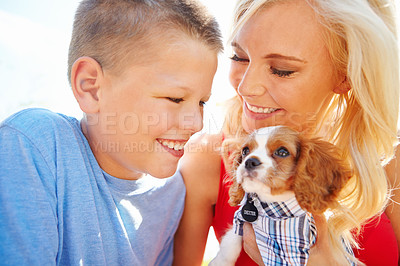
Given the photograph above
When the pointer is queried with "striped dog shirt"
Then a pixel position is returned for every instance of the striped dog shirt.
(284, 232)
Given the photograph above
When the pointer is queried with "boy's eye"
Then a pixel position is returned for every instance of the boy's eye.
(281, 152)
(238, 59)
(281, 73)
(175, 100)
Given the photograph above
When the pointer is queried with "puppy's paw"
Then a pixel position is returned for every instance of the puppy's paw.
(229, 250)
(221, 261)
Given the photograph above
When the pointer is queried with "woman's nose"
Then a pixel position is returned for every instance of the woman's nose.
(251, 82)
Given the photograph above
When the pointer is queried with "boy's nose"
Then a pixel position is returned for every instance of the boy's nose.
(251, 83)
(192, 121)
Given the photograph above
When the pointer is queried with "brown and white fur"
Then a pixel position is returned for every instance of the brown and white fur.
(282, 163)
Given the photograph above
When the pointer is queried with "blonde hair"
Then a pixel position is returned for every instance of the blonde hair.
(109, 30)
(362, 42)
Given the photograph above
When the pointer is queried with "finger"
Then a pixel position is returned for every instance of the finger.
(321, 253)
(250, 244)
(322, 229)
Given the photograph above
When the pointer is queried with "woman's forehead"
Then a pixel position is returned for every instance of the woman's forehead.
(285, 27)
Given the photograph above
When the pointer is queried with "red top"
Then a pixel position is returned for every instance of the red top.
(378, 242)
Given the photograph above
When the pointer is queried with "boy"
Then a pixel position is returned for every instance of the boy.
(95, 192)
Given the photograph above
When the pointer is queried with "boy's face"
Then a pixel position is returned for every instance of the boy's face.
(148, 112)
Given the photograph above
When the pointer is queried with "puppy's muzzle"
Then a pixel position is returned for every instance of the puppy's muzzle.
(251, 163)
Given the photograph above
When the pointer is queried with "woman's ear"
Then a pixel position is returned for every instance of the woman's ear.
(343, 87)
(86, 78)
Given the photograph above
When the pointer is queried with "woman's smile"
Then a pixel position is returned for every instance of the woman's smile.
(258, 112)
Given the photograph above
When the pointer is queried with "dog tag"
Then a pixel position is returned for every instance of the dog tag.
(249, 211)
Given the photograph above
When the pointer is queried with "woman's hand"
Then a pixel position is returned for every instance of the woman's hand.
(320, 253)
(250, 245)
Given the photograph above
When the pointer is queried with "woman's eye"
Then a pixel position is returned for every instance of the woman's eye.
(202, 103)
(281, 73)
(238, 59)
(245, 151)
(281, 152)
(175, 100)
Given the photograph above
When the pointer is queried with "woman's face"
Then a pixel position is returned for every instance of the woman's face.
(281, 68)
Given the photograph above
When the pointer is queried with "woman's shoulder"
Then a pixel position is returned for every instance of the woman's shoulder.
(202, 150)
(201, 165)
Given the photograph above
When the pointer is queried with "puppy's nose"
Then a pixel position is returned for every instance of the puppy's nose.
(251, 163)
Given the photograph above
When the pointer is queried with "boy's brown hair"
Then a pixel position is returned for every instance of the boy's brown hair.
(110, 30)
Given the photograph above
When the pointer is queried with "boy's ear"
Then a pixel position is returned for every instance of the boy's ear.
(86, 77)
(343, 87)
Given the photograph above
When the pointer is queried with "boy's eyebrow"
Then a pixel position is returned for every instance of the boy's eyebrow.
(185, 89)
(273, 55)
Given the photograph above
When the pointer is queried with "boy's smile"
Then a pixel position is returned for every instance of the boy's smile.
(175, 147)
(153, 106)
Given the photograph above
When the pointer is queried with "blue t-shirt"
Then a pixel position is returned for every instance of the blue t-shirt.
(57, 206)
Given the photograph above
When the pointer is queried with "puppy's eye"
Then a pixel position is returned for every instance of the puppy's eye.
(282, 152)
(245, 151)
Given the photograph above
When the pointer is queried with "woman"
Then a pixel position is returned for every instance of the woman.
(328, 69)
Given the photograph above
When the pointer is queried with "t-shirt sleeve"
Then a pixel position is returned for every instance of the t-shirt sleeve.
(28, 204)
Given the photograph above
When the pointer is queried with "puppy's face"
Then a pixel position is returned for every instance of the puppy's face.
(268, 163)
(277, 163)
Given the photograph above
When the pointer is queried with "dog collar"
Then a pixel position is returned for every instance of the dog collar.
(249, 210)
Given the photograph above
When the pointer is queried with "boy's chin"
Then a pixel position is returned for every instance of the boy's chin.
(164, 173)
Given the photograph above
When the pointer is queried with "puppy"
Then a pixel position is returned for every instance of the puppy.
(279, 179)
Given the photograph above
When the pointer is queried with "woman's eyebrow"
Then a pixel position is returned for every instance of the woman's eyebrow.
(236, 45)
(273, 55)
(284, 57)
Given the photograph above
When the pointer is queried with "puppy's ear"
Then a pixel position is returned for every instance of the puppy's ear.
(232, 156)
(236, 193)
(320, 175)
